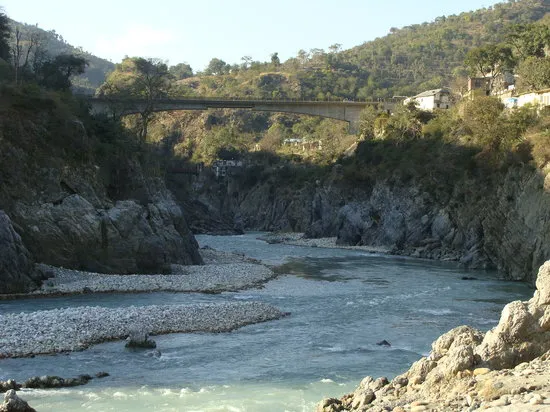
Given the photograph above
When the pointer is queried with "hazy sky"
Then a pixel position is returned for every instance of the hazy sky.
(196, 31)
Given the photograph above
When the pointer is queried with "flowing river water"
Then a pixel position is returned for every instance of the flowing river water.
(342, 302)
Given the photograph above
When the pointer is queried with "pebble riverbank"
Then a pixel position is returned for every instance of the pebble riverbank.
(299, 239)
(71, 329)
(212, 278)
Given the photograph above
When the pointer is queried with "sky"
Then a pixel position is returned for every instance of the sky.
(196, 31)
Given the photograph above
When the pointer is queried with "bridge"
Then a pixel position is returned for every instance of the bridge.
(348, 111)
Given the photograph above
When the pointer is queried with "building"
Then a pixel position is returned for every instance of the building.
(224, 167)
(492, 85)
(540, 98)
(483, 84)
(431, 100)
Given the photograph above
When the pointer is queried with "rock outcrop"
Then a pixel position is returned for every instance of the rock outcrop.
(13, 403)
(459, 358)
(502, 224)
(125, 238)
(16, 266)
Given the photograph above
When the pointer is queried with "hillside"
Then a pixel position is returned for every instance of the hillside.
(54, 44)
(405, 62)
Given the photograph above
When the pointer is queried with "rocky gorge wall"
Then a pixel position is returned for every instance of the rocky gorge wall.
(501, 223)
(63, 205)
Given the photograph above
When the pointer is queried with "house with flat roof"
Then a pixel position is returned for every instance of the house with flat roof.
(431, 100)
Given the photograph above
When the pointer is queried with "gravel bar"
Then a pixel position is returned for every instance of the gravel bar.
(70, 329)
(299, 239)
(208, 278)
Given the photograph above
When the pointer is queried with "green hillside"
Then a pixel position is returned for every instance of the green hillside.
(405, 62)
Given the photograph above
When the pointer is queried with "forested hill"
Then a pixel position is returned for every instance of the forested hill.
(54, 44)
(429, 55)
(405, 62)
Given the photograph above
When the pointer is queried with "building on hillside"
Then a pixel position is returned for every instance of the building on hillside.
(223, 168)
(540, 98)
(293, 141)
(483, 84)
(492, 86)
(431, 100)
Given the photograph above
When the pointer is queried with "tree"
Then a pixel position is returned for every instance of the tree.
(490, 61)
(246, 61)
(181, 71)
(4, 37)
(534, 72)
(21, 51)
(335, 48)
(56, 74)
(530, 40)
(367, 122)
(139, 78)
(303, 57)
(275, 61)
(216, 67)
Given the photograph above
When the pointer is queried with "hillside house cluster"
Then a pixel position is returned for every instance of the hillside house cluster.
(501, 86)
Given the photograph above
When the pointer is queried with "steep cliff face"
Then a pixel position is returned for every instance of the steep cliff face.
(16, 266)
(72, 208)
(501, 223)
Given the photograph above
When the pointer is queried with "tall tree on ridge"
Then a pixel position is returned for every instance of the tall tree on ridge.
(4, 36)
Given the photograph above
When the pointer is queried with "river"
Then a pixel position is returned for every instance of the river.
(342, 302)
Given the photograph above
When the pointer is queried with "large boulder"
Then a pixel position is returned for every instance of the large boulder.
(13, 403)
(126, 238)
(16, 265)
(542, 295)
(517, 338)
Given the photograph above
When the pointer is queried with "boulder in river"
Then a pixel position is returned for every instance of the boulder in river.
(46, 382)
(9, 384)
(13, 403)
(139, 339)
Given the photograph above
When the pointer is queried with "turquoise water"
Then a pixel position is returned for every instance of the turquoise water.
(342, 303)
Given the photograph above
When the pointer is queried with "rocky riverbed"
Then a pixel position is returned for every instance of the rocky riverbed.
(71, 329)
(506, 369)
(299, 239)
(208, 279)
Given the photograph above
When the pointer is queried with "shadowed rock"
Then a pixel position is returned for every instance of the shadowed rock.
(140, 340)
(16, 267)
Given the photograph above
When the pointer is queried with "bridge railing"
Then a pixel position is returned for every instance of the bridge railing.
(246, 99)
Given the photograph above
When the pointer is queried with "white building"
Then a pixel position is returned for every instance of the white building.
(431, 100)
(539, 98)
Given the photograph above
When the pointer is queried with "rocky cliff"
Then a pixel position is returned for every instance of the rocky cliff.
(77, 197)
(502, 222)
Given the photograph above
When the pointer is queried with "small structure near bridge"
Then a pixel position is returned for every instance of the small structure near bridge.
(223, 168)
